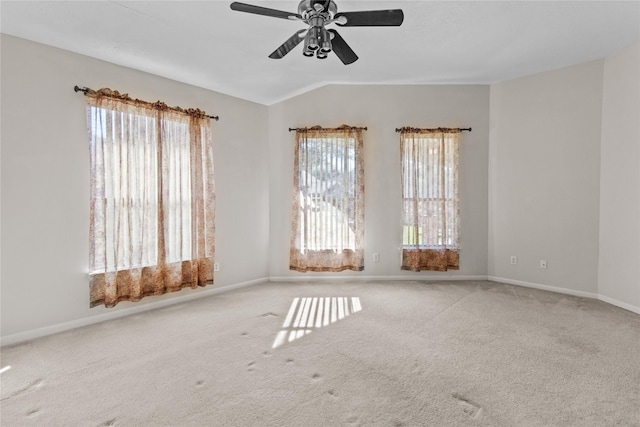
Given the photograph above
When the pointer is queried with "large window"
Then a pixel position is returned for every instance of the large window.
(431, 224)
(328, 207)
(151, 199)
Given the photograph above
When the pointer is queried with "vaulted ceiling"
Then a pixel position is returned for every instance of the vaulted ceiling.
(206, 44)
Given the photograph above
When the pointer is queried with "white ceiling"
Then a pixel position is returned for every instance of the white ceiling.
(205, 43)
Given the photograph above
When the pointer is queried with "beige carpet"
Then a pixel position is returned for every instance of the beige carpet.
(411, 354)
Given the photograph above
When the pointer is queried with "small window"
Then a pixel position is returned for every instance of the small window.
(431, 224)
(328, 211)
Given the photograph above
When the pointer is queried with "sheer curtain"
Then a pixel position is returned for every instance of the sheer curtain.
(328, 201)
(431, 213)
(152, 198)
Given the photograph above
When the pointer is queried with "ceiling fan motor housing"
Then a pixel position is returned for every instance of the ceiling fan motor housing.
(309, 8)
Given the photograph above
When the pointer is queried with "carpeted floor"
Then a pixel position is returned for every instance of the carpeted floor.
(388, 354)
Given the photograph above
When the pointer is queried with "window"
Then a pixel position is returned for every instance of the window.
(431, 224)
(151, 199)
(328, 207)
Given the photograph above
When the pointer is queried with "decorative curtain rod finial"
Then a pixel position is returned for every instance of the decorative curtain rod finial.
(77, 88)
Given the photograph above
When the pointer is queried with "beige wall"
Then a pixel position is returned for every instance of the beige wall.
(544, 177)
(381, 109)
(45, 176)
(619, 263)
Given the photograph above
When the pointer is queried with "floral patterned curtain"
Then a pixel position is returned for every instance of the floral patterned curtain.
(152, 198)
(328, 200)
(431, 213)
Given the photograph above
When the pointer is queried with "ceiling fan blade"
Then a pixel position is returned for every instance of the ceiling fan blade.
(258, 10)
(372, 18)
(288, 45)
(342, 49)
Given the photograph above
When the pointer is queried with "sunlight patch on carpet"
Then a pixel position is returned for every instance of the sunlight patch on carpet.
(5, 369)
(306, 314)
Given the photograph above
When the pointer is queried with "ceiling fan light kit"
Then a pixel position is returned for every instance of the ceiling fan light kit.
(317, 14)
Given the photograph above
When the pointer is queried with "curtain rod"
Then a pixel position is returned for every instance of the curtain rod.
(461, 129)
(85, 90)
(296, 129)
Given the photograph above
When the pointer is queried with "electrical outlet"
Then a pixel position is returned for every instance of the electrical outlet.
(216, 266)
(376, 257)
(514, 260)
(543, 264)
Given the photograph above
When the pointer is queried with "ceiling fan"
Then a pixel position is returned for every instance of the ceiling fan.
(317, 14)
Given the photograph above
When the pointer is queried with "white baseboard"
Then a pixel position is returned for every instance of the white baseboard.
(592, 295)
(543, 287)
(65, 326)
(430, 277)
(86, 321)
(620, 304)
